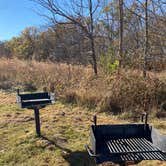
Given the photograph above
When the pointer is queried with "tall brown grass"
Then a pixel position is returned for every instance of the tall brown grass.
(20, 74)
(117, 92)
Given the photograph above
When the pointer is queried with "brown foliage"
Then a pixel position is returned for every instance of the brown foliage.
(118, 92)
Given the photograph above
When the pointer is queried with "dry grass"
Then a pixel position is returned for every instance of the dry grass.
(126, 91)
(15, 73)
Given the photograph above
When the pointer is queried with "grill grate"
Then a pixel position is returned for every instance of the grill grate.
(135, 149)
(131, 146)
(143, 156)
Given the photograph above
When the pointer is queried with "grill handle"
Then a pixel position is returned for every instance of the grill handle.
(95, 120)
(144, 116)
(18, 91)
(90, 152)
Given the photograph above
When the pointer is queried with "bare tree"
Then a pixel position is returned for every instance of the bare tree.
(91, 36)
(80, 13)
(120, 31)
(146, 39)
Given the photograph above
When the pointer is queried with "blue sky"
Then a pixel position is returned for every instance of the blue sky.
(15, 15)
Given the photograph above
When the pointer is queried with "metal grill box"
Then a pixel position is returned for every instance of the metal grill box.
(35, 99)
(126, 142)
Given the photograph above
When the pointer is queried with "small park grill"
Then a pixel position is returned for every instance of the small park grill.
(35, 101)
(126, 143)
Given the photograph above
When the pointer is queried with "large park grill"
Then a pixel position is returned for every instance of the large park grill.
(35, 101)
(126, 143)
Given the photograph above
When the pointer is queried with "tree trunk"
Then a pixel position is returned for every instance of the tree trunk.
(146, 40)
(94, 56)
(120, 32)
(92, 38)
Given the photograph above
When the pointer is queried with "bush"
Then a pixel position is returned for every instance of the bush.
(109, 105)
(29, 87)
(128, 91)
(6, 85)
(108, 61)
(70, 97)
(83, 99)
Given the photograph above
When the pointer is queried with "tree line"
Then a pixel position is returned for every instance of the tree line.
(98, 32)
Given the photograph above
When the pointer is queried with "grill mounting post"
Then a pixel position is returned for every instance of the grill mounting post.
(145, 116)
(37, 121)
(95, 120)
(18, 91)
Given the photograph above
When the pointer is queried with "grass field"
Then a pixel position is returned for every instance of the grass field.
(65, 130)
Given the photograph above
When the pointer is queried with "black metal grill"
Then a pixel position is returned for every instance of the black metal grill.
(35, 101)
(126, 142)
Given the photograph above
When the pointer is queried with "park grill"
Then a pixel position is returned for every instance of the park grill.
(125, 143)
(35, 101)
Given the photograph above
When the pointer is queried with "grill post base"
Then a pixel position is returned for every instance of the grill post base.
(37, 121)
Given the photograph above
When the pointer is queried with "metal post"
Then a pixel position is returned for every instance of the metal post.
(95, 120)
(145, 116)
(18, 91)
(146, 119)
(37, 121)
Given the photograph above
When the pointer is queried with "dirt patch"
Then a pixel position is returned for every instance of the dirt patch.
(24, 119)
(60, 140)
(9, 118)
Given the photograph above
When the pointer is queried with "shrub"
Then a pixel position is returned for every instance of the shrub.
(109, 105)
(29, 87)
(128, 91)
(70, 97)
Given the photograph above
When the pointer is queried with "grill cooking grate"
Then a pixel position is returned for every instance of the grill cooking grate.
(143, 156)
(135, 149)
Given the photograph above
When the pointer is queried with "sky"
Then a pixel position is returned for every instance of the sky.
(16, 15)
